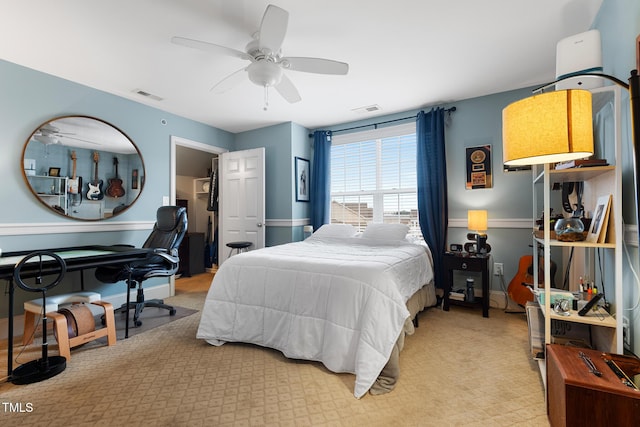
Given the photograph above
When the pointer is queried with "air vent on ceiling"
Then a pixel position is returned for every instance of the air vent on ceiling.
(368, 109)
(147, 94)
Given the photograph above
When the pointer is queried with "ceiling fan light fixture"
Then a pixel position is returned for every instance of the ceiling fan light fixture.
(264, 73)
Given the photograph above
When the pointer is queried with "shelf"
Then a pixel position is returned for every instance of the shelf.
(574, 174)
(583, 244)
(199, 186)
(579, 174)
(605, 330)
(604, 319)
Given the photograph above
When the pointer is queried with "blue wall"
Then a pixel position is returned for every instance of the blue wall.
(30, 98)
(619, 25)
(282, 144)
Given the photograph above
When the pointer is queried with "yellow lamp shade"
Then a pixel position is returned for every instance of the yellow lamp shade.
(548, 128)
(477, 220)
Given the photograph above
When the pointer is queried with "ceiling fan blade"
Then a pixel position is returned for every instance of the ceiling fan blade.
(315, 65)
(46, 139)
(273, 28)
(80, 139)
(229, 82)
(287, 90)
(210, 47)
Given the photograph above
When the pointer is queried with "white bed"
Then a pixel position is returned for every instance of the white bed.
(338, 300)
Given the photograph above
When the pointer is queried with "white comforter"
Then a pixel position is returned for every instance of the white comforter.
(337, 301)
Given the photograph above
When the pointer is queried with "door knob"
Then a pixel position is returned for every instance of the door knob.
(259, 224)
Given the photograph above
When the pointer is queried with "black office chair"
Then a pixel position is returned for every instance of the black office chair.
(163, 261)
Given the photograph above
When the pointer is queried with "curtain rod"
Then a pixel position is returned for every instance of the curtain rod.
(375, 125)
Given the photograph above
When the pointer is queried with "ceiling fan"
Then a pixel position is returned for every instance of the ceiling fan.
(49, 134)
(267, 62)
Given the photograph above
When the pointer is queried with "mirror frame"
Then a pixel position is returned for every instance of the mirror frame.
(53, 137)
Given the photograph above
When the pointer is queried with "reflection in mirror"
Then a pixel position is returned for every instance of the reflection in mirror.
(82, 167)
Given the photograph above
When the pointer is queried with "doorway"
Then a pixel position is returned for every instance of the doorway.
(191, 162)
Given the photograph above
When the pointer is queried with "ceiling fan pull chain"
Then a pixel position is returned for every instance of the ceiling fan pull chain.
(266, 97)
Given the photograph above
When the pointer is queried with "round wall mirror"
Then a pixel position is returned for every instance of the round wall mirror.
(82, 167)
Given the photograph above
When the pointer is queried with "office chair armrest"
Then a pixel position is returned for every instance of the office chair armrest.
(173, 263)
(171, 258)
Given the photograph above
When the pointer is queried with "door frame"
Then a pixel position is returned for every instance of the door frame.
(184, 142)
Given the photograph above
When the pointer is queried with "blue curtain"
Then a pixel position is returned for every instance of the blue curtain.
(433, 210)
(321, 179)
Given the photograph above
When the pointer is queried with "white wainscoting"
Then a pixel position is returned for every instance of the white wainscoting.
(24, 229)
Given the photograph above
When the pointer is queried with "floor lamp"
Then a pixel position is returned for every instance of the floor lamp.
(518, 151)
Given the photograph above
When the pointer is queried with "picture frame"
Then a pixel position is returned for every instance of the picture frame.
(134, 179)
(479, 173)
(599, 223)
(302, 179)
(54, 172)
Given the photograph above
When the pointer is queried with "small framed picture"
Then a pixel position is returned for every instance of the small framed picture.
(302, 180)
(134, 179)
(598, 230)
(54, 171)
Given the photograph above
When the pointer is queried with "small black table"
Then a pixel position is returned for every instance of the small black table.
(467, 262)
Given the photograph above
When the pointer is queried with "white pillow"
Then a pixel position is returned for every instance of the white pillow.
(385, 231)
(336, 230)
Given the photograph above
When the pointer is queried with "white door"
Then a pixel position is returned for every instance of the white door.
(241, 199)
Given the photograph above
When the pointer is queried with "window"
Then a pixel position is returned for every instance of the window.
(373, 177)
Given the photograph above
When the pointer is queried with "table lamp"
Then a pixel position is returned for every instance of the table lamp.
(477, 222)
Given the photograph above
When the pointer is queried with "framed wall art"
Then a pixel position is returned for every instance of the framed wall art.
(479, 167)
(302, 180)
(134, 179)
(598, 230)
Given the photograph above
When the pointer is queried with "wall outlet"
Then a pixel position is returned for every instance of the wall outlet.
(626, 333)
(498, 269)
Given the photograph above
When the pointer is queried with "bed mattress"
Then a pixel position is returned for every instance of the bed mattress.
(339, 301)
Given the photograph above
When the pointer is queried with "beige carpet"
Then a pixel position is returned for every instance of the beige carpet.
(458, 369)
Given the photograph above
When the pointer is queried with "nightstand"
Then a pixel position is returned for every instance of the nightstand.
(466, 262)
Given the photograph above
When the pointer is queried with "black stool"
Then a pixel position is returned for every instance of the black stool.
(239, 247)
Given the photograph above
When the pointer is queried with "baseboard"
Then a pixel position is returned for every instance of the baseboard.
(497, 300)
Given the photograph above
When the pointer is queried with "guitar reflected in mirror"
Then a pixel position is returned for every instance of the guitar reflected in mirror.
(115, 188)
(75, 183)
(94, 191)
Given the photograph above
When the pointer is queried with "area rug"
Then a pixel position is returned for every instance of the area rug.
(151, 317)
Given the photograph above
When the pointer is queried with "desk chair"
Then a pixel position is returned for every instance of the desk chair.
(163, 261)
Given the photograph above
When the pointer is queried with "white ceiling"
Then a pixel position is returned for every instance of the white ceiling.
(403, 54)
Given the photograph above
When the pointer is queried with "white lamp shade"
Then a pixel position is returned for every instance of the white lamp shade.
(548, 128)
(477, 220)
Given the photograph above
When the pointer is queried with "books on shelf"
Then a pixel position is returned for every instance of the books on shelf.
(581, 163)
(458, 296)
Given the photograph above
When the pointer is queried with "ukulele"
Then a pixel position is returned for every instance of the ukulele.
(115, 188)
(519, 289)
(75, 183)
(95, 185)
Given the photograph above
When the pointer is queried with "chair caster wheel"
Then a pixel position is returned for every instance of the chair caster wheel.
(172, 312)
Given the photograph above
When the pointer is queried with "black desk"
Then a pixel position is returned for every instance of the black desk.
(465, 262)
(77, 259)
